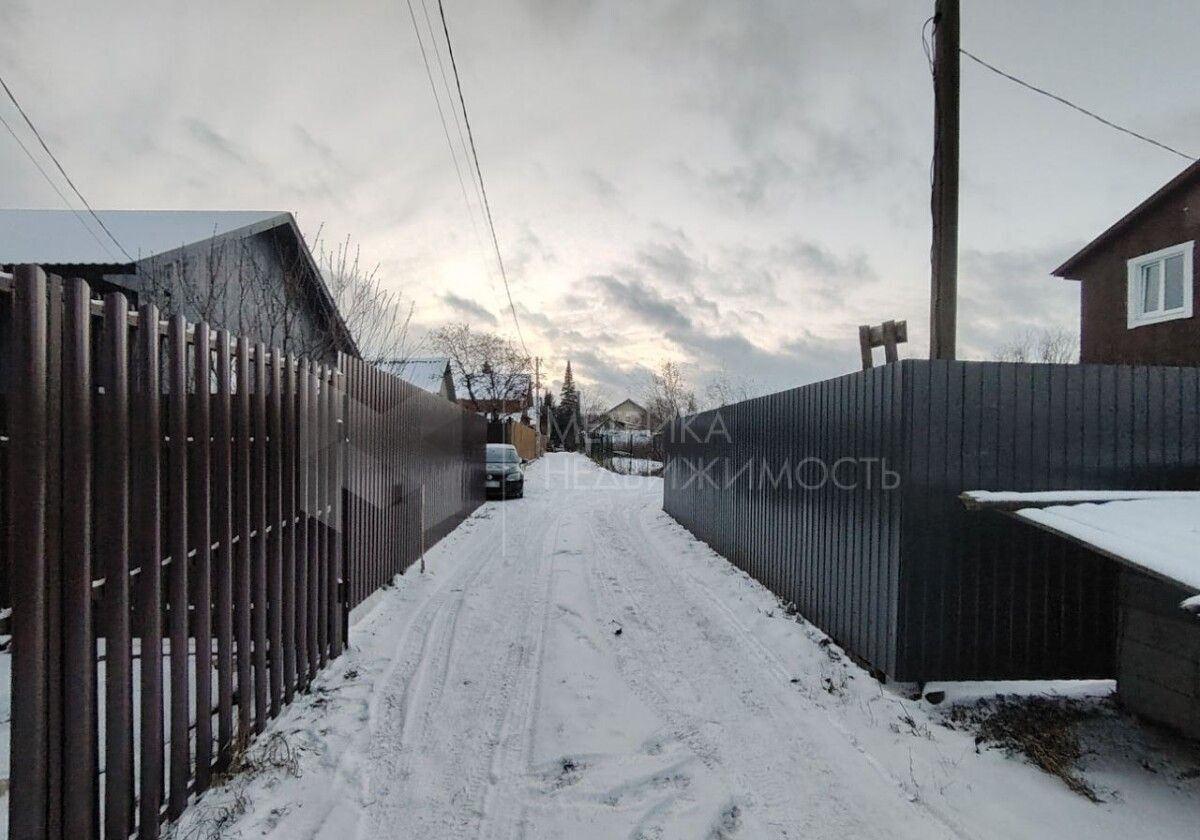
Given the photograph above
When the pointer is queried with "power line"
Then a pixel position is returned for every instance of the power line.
(53, 185)
(446, 132)
(450, 96)
(67, 177)
(479, 172)
(1078, 108)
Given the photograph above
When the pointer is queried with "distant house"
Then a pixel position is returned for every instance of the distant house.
(432, 375)
(1138, 281)
(624, 415)
(247, 271)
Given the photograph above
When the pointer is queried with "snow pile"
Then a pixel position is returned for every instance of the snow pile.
(636, 466)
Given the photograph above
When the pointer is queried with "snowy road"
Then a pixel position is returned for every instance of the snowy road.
(572, 665)
(571, 681)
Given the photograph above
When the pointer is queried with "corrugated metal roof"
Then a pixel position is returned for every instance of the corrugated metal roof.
(426, 374)
(57, 237)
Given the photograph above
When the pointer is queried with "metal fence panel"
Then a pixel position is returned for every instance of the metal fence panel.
(907, 579)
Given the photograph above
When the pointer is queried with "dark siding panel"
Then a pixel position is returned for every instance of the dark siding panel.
(909, 580)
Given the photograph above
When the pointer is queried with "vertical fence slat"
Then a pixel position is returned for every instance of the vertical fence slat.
(53, 548)
(313, 522)
(243, 553)
(289, 531)
(177, 577)
(27, 548)
(222, 506)
(303, 458)
(323, 515)
(200, 490)
(147, 542)
(258, 490)
(79, 640)
(338, 429)
(274, 490)
(113, 486)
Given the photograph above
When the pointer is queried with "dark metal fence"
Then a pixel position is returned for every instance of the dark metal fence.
(841, 497)
(415, 471)
(174, 502)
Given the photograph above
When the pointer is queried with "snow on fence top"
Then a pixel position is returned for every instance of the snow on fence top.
(1155, 532)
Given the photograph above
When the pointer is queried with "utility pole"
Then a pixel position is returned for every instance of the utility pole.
(943, 307)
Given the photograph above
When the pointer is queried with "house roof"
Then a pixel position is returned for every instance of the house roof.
(59, 237)
(625, 401)
(1188, 176)
(426, 374)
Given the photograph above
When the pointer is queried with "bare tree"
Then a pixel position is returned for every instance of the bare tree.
(490, 367)
(667, 394)
(377, 317)
(727, 389)
(272, 289)
(1056, 345)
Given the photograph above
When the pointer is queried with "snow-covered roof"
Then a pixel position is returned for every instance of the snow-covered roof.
(1013, 500)
(426, 374)
(60, 237)
(1157, 533)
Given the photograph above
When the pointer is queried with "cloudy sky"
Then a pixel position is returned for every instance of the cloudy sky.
(731, 185)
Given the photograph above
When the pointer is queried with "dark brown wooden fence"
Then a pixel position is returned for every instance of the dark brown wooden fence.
(175, 520)
(856, 518)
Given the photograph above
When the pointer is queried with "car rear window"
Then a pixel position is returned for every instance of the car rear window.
(503, 455)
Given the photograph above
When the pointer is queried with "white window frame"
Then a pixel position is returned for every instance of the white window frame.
(1135, 317)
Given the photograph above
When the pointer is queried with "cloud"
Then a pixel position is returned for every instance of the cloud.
(749, 184)
(599, 186)
(212, 140)
(469, 309)
(750, 180)
(1005, 293)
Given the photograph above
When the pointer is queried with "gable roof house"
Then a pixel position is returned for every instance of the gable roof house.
(624, 415)
(432, 375)
(250, 272)
(1138, 281)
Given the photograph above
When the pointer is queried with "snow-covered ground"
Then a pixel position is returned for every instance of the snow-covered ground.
(575, 665)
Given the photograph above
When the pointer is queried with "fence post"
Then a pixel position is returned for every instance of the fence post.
(27, 550)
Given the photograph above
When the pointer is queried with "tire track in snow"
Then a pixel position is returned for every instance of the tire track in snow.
(754, 711)
(651, 672)
(504, 808)
(651, 520)
(414, 696)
